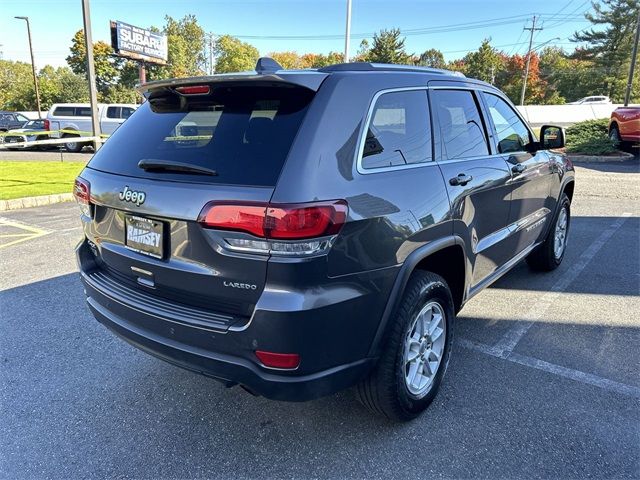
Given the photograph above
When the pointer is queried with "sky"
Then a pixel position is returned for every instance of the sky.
(453, 26)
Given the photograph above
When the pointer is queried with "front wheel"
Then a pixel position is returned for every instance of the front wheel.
(549, 254)
(614, 135)
(407, 377)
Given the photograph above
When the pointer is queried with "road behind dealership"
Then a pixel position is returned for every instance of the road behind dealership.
(544, 380)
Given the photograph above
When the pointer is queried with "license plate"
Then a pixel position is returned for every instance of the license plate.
(144, 235)
(12, 140)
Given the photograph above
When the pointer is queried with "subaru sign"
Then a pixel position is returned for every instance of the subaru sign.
(138, 43)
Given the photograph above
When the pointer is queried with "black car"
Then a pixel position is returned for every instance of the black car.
(10, 120)
(301, 232)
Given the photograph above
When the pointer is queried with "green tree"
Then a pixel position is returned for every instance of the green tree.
(289, 59)
(331, 58)
(73, 88)
(16, 86)
(363, 52)
(185, 45)
(483, 64)
(233, 55)
(61, 85)
(567, 78)
(388, 47)
(432, 58)
(107, 66)
(609, 45)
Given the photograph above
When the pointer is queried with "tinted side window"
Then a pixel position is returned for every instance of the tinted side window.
(83, 111)
(112, 112)
(461, 127)
(126, 112)
(64, 111)
(399, 131)
(512, 133)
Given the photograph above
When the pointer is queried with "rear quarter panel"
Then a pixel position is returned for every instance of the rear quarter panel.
(390, 213)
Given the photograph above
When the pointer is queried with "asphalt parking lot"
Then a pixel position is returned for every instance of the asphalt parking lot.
(544, 380)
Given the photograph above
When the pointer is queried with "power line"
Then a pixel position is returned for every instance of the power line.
(411, 32)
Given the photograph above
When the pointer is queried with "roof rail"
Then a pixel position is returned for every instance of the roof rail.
(384, 67)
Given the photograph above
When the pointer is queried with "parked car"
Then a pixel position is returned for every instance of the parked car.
(32, 131)
(76, 117)
(593, 100)
(624, 125)
(321, 229)
(10, 120)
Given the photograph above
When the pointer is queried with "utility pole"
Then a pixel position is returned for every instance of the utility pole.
(91, 73)
(33, 64)
(634, 54)
(347, 34)
(533, 29)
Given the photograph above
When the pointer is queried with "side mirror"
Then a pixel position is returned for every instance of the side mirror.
(551, 137)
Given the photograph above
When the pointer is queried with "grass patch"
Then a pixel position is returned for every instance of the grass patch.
(30, 179)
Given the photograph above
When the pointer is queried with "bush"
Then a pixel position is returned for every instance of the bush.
(590, 137)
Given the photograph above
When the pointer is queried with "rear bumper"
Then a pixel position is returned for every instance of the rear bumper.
(327, 366)
(230, 369)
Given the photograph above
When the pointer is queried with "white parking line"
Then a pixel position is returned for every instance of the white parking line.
(570, 373)
(510, 339)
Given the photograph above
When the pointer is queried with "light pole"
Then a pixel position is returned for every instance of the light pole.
(33, 65)
(347, 33)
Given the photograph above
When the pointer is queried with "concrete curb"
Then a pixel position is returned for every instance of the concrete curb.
(28, 202)
(621, 157)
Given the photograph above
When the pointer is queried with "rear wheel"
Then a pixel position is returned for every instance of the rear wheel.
(407, 377)
(548, 255)
(71, 146)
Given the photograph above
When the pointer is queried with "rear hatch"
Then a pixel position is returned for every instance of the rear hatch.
(183, 149)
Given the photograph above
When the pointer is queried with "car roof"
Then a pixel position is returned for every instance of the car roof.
(269, 70)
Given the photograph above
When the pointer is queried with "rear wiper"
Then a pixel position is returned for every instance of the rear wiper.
(152, 164)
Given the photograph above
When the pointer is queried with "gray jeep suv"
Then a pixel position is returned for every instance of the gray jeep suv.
(300, 232)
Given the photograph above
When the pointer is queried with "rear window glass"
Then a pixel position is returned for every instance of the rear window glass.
(243, 133)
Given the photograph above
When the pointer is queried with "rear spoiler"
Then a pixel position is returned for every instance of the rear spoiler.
(310, 79)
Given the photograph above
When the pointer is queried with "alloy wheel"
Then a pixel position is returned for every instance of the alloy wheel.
(424, 349)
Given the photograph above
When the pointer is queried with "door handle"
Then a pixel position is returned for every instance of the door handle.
(461, 180)
(518, 168)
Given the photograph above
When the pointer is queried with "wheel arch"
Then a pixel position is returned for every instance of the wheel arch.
(568, 189)
(435, 257)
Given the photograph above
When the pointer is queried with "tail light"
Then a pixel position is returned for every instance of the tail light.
(47, 125)
(82, 194)
(301, 229)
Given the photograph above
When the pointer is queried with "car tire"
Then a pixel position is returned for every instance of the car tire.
(393, 388)
(614, 135)
(549, 254)
(72, 147)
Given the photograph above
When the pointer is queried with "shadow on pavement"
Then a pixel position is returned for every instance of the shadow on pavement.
(79, 402)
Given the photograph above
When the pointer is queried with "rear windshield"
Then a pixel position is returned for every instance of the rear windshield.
(244, 133)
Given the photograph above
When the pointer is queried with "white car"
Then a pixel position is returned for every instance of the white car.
(76, 117)
(593, 100)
